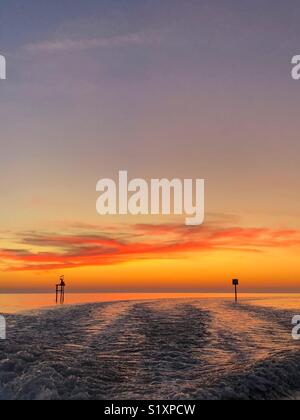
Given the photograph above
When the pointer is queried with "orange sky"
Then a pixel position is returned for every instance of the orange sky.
(152, 257)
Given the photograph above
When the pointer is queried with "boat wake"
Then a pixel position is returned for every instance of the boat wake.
(164, 349)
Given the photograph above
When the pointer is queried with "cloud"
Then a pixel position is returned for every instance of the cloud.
(70, 44)
(57, 251)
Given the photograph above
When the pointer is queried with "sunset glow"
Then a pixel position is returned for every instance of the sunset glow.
(165, 93)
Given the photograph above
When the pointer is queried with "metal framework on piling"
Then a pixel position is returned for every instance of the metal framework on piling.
(60, 290)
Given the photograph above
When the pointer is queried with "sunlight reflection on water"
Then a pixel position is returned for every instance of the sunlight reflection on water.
(12, 303)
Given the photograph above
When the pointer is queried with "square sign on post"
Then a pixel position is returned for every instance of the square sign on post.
(235, 283)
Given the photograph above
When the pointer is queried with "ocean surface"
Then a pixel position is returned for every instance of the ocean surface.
(13, 303)
(150, 347)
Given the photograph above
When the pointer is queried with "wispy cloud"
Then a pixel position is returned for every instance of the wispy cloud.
(147, 242)
(69, 44)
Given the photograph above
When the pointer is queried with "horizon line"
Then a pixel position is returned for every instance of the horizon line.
(106, 292)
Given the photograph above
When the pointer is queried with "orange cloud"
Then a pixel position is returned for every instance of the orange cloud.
(147, 242)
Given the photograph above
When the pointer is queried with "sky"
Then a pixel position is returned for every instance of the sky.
(160, 88)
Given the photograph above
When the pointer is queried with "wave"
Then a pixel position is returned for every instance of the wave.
(168, 349)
